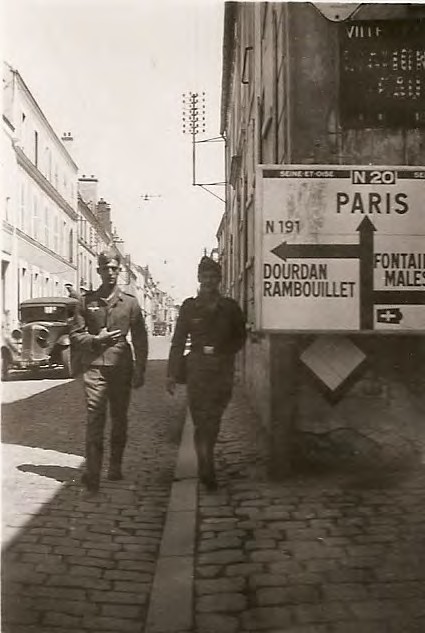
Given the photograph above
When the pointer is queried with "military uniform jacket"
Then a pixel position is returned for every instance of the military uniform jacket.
(120, 312)
(219, 332)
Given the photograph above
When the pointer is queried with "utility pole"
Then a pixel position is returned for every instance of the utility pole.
(193, 121)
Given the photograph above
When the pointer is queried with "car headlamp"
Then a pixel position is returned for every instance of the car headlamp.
(43, 338)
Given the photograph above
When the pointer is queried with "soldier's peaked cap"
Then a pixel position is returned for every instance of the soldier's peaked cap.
(107, 256)
(209, 264)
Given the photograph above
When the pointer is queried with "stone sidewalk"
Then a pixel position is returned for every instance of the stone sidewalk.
(77, 566)
(313, 554)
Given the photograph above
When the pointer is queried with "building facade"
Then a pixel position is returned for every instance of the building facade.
(54, 225)
(95, 234)
(39, 250)
(282, 105)
(92, 236)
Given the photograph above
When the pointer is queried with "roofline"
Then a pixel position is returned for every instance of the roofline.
(41, 113)
(230, 11)
(99, 227)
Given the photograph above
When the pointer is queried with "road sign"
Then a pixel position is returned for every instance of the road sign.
(332, 359)
(340, 248)
(336, 11)
(382, 73)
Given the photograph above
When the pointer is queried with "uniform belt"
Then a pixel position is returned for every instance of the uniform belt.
(122, 339)
(207, 350)
(119, 341)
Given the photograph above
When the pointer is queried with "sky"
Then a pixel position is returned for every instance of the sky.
(112, 72)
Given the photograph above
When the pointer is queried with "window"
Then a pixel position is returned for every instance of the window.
(43, 313)
(36, 148)
(62, 229)
(7, 209)
(46, 227)
(22, 207)
(48, 165)
(56, 234)
(35, 218)
(4, 278)
(35, 284)
(25, 284)
(71, 246)
(23, 129)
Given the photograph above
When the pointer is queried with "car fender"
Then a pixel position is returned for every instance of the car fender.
(64, 340)
(6, 353)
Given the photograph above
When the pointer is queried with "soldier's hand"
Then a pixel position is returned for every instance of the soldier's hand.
(170, 385)
(108, 338)
(138, 378)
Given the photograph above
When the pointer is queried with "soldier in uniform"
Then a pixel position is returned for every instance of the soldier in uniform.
(99, 334)
(216, 326)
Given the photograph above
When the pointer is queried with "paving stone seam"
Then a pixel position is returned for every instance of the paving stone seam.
(171, 603)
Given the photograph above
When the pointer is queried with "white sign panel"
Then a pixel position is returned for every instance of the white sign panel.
(332, 359)
(340, 248)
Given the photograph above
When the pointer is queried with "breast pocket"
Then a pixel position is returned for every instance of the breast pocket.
(95, 320)
(118, 318)
(196, 325)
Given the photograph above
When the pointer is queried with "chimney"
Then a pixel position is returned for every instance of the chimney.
(103, 212)
(87, 187)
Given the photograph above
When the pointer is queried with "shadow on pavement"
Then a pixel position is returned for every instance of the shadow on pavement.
(81, 564)
(34, 375)
(60, 473)
(52, 419)
(312, 552)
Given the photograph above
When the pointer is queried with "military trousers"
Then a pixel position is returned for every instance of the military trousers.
(209, 389)
(105, 384)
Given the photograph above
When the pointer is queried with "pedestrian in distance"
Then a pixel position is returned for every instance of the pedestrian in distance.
(216, 326)
(99, 333)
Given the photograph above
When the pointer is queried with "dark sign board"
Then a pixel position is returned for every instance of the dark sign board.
(382, 73)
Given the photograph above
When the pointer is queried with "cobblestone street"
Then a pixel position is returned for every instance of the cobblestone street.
(316, 553)
(77, 565)
(213, 317)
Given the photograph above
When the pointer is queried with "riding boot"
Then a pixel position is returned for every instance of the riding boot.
(91, 476)
(115, 462)
(211, 481)
(206, 469)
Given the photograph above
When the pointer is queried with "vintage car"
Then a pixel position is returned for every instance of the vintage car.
(11, 345)
(45, 341)
(159, 328)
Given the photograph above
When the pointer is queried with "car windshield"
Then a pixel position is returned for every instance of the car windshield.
(29, 314)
